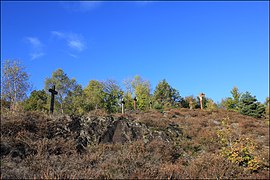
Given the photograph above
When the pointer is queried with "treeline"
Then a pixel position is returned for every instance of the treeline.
(107, 95)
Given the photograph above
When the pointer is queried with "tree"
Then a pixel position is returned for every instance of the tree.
(236, 97)
(228, 103)
(75, 101)
(189, 102)
(139, 88)
(94, 95)
(211, 105)
(165, 95)
(63, 84)
(232, 103)
(37, 101)
(141, 92)
(248, 105)
(15, 83)
(112, 96)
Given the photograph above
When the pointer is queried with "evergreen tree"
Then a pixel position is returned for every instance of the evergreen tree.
(165, 95)
(248, 105)
(112, 96)
(228, 103)
(38, 101)
(231, 103)
(236, 97)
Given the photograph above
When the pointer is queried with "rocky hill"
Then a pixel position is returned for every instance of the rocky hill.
(177, 143)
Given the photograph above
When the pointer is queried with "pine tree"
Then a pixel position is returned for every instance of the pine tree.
(37, 101)
(166, 96)
(248, 105)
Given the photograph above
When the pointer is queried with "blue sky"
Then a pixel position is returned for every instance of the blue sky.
(197, 47)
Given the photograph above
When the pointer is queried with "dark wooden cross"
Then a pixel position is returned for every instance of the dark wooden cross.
(53, 93)
(134, 103)
(151, 104)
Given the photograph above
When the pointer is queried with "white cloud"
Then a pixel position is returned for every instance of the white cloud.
(35, 42)
(36, 47)
(75, 44)
(36, 55)
(57, 33)
(74, 41)
(73, 55)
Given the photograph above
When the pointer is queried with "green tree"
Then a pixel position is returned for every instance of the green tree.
(94, 95)
(15, 83)
(248, 105)
(74, 101)
(112, 96)
(37, 101)
(165, 95)
(63, 84)
(236, 97)
(211, 105)
(228, 103)
(231, 103)
(141, 92)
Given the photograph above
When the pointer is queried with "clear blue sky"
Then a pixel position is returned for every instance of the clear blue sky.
(197, 47)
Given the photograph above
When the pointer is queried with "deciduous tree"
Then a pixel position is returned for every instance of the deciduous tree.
(94, 95)
(15, 82)
(63, 84)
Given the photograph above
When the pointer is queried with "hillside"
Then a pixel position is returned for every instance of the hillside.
(178, 143)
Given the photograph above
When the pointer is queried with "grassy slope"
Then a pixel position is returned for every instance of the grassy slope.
(218, 144)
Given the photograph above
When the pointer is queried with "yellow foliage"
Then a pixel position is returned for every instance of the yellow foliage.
(240, 151)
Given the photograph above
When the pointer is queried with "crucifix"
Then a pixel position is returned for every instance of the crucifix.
(134, 103)
(123, 108)
(53, 93)
(201, 99)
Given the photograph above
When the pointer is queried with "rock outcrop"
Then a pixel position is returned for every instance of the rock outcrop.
(85, 131)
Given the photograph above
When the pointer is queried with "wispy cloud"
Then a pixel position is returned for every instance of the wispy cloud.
(73, 55)
(80, 6)
(74, 41)
(36, 47)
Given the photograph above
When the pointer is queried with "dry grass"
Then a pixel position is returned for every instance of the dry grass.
(196, 154)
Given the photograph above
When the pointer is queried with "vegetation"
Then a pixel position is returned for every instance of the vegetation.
(63, 84)
(14, 83)
(37, 101)
(166, 96)
(86, 137)
(177, 144)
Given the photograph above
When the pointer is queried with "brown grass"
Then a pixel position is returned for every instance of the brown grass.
(196, 154)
